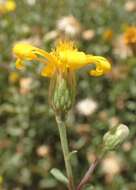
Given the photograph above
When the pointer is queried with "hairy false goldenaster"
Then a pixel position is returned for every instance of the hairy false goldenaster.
(64, 57)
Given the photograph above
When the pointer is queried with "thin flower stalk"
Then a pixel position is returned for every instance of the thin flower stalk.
(65, 149)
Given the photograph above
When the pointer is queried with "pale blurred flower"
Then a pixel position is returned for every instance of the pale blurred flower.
(25, 85)
(121, 49)
(43, 150)
(69, 25)
(88, 35)
(114, 121)
(31, 2)
(24, 29)
(111, 166)
(36, 40)
(51, 35)
(86, 106)
(130, 6)
(127, 146)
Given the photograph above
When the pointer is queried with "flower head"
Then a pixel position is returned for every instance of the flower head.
(130, 35)
(64, 57)
(108, 34)
(7, 6)
(69, 25)
(60, 64)
(13, 77)
(115, 137)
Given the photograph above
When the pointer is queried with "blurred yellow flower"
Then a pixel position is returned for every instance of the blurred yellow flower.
(108, 34)
(63, 58)
(130, 35)
(13, 77)
(7, 6)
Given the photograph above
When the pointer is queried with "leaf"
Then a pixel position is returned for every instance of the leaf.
(71, 154)
(59, 175)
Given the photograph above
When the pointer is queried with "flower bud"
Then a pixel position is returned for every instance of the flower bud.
(62, 91)
(115, 137)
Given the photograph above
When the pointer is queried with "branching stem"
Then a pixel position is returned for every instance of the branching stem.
(88, 175)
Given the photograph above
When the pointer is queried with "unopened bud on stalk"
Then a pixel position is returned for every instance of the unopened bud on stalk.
(62, 91)
(115, 137)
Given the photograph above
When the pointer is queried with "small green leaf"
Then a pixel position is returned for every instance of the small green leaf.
(71, 154)
(59, 175)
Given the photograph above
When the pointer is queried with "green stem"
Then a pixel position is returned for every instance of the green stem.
(65, 149)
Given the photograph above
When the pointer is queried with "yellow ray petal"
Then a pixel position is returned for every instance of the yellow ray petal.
(48, 71)
(102, 65)
(26, 51)
(74, 59)
(20, 64)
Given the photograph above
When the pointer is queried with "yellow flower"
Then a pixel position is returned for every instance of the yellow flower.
(63, 58)
(108, 34)
(13, 77)
(7, 6)
(130, 35)
(60, 64)
(10, 6)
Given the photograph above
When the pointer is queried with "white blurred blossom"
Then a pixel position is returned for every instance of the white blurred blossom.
(121, 49)
(25, 85)
(43, 151)
(31, 2)
(51, 35)
(130, 6)
(111, 166)
(114, 121)
(69, 25)
(88, 34)
(86, 106)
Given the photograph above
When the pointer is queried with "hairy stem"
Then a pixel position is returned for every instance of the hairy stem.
(65, 149)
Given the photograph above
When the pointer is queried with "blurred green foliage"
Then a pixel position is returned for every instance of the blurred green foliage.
(29, 140)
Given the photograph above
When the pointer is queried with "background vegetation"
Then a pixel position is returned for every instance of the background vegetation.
(29, 140)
